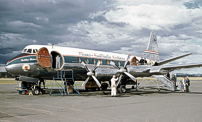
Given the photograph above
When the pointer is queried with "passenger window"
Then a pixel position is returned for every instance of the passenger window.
(107, 62)
(29, 51)
(119, 64)
(86, 60)
(93, 60)
(79, 60)
(100, 61)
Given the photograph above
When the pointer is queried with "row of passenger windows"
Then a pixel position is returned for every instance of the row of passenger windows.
(30, 51)
(94, 61)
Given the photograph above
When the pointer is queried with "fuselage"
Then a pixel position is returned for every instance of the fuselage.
(27, 64)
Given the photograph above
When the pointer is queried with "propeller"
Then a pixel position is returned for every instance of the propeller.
(123, 70)
(91, 73)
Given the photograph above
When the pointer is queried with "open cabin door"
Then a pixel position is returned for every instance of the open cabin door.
(43, 57)
(133, 61)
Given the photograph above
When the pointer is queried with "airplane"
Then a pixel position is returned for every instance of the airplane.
(39, 62)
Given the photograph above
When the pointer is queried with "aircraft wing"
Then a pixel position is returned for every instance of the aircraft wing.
(176, 67)
(172, 59)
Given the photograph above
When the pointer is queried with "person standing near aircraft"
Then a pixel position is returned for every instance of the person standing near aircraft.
(174, 81)
(155, 63)
(183, 82)
(113, 86)
(151, 62)
(187, 84)
(58, 62)
(182, 86)
(141, 61)
(168, 75)
(145, 61)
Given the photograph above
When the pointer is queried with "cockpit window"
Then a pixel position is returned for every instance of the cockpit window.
(25, 50)
(34, 51)
(29, 51)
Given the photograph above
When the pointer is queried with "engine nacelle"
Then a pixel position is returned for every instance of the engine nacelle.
(139, 71)
(105, 74)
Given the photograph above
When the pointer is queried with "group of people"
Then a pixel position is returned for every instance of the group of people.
(183, 85)
(151, 63)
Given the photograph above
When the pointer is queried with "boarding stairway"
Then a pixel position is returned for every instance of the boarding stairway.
(63, 83)
(150, 83)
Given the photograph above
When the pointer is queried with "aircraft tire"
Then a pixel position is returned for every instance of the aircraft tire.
(122, 89)
(36, 91)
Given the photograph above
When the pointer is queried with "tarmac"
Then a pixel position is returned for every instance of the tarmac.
(142, 105)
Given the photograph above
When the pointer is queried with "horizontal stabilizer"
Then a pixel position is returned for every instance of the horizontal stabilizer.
(173, 59)
(165, 81)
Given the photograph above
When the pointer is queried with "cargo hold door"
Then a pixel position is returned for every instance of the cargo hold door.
(43, 57)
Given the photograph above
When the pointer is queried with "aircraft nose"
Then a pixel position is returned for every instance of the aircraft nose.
(8, 69)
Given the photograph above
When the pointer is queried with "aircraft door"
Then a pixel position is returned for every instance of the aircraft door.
(43, 57)
(57, 60)
(133, 61)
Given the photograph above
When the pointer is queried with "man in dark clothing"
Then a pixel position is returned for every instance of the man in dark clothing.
(187, 84)
(142, 61)
(155, 63)
(168, 75)
(145, 61)
(173, 80)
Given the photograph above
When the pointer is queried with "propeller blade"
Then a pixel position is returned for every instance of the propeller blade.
(119, 80)
(84, 83)
(97, 82)
(113, 64)
(98, 64)
(127, 61)
(129, 75)
(85, 66)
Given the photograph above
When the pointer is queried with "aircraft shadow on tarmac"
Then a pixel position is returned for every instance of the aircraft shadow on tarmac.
(129, 93)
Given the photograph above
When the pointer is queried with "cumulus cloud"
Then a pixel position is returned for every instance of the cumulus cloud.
(2, 68)
(153, 17)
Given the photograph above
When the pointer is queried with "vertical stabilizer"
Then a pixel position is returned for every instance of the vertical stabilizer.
(152, 49)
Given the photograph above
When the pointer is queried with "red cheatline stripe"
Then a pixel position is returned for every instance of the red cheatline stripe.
(151, 51)
(20, 57)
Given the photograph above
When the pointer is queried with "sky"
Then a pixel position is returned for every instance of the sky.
(120, 26)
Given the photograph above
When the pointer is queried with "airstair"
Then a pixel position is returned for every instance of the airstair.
(63, 83)
(151, 83)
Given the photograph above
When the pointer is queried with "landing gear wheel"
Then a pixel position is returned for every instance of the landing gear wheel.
(122, 89)
(36, 91)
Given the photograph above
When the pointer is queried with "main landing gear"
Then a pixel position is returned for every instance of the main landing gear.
(122, 89)
(36, 89)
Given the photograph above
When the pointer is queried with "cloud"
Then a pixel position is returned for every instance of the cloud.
(2, 68)
(112, 26)
(153, 17)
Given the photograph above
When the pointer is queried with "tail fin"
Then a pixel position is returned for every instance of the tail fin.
(152, 49)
